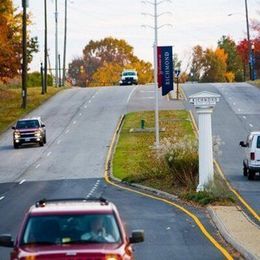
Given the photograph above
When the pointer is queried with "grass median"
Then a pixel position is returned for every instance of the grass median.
(10, 103)
(174, 167)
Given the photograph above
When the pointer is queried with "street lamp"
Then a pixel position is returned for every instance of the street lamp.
(156, 27)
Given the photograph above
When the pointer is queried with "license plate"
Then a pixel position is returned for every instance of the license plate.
(27, 139)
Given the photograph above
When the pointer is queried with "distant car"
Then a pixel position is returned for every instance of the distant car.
(72, 229)
(129, 77)
(29, 130)
(251, 163)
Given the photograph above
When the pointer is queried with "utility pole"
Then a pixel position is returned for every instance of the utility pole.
(249, 44)
(157, 136)
(65, 43)
(59, 71)
(56, 44)
(24, 65)
(45, 47)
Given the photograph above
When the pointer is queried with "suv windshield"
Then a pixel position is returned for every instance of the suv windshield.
(129, 74)
(69, 229)
(27, 124)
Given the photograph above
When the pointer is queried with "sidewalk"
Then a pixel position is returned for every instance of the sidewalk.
(237, 229)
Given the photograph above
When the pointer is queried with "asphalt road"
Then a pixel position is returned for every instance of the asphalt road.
(237, 113)
(80, 124)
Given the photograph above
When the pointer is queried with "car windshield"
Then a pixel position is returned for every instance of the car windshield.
(23, 124)
(71, 229)
(128, 73)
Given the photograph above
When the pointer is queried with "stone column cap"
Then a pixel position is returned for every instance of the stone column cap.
(204, 99)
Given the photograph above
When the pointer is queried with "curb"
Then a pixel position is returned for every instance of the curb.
(236, 244)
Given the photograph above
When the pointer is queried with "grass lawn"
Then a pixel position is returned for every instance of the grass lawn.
(133, 149)
(255, 83)
(10, 103)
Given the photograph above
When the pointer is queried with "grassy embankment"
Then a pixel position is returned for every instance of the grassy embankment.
(174, 168)
(255, 83)
(10, 103)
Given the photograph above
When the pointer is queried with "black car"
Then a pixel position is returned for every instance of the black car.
(29, 130)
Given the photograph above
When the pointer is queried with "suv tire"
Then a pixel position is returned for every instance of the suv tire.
(41, 143)
(251, 175)
(16, 146)
(44, 140)
(245, 170)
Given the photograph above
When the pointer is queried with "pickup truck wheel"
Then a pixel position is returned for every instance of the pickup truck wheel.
(44, 139)
(41, 143)
(245, 171)
(16, 146)
(251, 175)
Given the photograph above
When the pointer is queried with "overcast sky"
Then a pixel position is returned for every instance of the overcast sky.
(193, 22)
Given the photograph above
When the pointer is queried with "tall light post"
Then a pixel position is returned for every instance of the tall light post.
(56, 44)
(45, 47)
(24, 65)
(155, 15)
(65, 43)
(250, 61)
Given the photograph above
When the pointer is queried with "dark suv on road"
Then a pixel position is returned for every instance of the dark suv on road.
(72, 229)
(29, 130)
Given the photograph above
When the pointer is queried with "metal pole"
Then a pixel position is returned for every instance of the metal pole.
(65, 44)
(45, 47)
(56, 43)
(157, 137)
(59, 71)
(249, 43)
(24, 65)
(42, 79)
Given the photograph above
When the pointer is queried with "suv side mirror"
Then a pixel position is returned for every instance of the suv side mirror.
(137, 236)
(13, 127)
(243, 144)
(6, 240)
(42, 125)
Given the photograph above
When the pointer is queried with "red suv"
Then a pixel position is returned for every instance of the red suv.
(72, 229)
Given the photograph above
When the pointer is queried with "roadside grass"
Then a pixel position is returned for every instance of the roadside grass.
(255, 83)
(174, 167)
(10, 103)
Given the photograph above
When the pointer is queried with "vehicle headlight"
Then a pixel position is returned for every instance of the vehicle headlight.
(17, 134)
(113, 257)
(37, 133)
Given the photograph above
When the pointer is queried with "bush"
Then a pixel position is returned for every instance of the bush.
(34, 80)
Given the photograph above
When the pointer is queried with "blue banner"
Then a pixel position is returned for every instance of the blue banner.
(165, 69)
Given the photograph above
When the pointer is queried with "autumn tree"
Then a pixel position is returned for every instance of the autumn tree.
(196, 63)
(104, 60)
(214, 65)
(10, 41)
(234, 61)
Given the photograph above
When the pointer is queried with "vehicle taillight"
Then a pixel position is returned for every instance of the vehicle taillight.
(113, 257)
(252, 156)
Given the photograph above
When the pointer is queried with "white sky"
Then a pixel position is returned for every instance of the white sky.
(193, 22)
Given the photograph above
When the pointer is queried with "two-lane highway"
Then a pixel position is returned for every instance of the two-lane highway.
(80, 124)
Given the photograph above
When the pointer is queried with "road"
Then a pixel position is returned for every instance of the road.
(80, 124)
(237, 113)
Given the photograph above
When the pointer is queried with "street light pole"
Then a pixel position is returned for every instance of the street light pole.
(45, 47)
(157, 135)
(24, 65)
(249, 43)
(56, 44)
(65, 43)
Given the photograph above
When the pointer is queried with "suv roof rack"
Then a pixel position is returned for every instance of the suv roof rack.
(41, 203)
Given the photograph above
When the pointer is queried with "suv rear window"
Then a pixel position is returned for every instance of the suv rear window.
(27, 124)
(258, 142)
(71, 229)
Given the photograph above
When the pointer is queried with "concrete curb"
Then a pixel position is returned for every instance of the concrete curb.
(228, 237)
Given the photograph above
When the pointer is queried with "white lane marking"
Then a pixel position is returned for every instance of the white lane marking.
(244, 117)
(131, 93)
(1, 198)
(74, 122)
(239, 109)
(80, 114)
(89, 101)
(67, 131)
(234, 103)
(59, 141)
(22, 181)
(230, 98)
(37, 166)
(251, 125)
(85, 106)
(48, 154)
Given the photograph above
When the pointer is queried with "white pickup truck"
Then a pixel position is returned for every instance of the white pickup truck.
(129, 77)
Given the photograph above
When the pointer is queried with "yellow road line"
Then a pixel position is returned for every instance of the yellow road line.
(242, 200)
(195, 218)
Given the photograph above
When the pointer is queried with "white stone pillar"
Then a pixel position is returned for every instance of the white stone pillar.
(204, 103)
(206, 171)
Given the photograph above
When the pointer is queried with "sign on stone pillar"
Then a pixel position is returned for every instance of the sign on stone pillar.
(204, 103)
